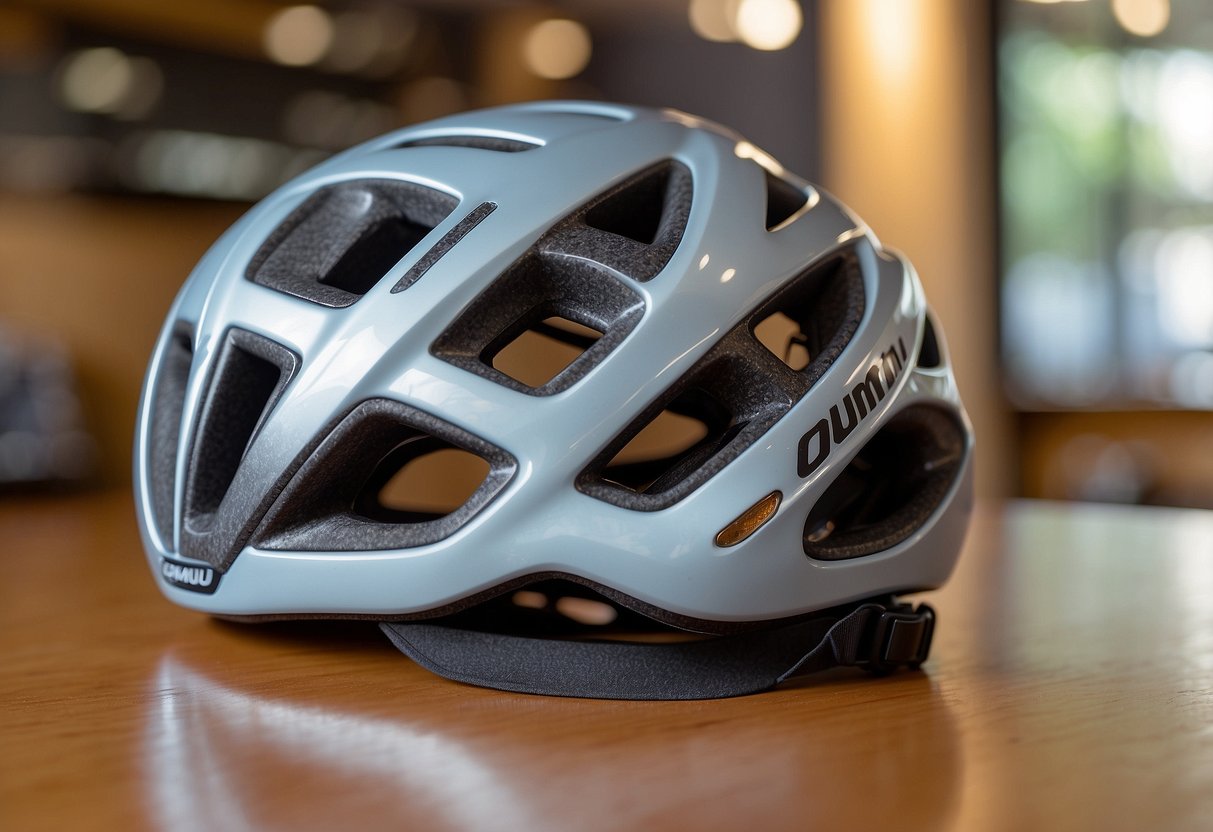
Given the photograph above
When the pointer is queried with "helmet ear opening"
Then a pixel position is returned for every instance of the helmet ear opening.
(890, 488)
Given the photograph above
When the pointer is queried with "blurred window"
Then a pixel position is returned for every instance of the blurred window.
(1106, 168)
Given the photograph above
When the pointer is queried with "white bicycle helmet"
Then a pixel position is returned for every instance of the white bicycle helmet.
(352, 324)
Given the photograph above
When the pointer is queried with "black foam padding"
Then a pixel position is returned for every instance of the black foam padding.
(495, 143)
(753, 386)
(783, 200)
(535, 288)
(247, 377)
(341, 241)
(168, 401)
(418, 269)
(890, 488)
(634, 227)
(317, 509)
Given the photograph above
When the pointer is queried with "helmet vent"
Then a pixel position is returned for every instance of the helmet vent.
(929, 357)
(694, 430)
(544, 350)
(633, 228)
(249, 374)
(583, 112)
(677, 441)
(736, 391)
(785, 339)
(784, 201)
(496, 143)
(423, 479)
(167, 406)
(807, 325)
(890, 488)
(547, 315)
(634, 210)
(372, 483)
(343, 239)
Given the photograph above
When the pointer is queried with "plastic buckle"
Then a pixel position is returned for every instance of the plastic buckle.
(901, 637)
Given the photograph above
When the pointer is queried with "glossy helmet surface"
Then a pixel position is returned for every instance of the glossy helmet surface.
(350, 323)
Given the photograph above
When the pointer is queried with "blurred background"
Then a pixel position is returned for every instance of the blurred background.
(1048, 167)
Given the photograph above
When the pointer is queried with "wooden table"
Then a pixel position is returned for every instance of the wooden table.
(1071, 687)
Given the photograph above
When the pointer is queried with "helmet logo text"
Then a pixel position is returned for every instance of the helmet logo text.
(857, 405)
(191, 576)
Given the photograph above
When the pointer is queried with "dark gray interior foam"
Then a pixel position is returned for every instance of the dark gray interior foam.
(783, 199)
(168, 400)
(534, 288)
(633, 210)
(891, 487)
(418, 269)
(733, 375)
(495, 143)
(247, 378)
(826, 301)
(318, 509)
(341, 241)
(754, 387)
(634, 227)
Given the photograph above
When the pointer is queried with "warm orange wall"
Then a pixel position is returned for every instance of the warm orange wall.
(100, 274)
(908, 143)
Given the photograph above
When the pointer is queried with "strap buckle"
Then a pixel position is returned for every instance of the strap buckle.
(901, 637)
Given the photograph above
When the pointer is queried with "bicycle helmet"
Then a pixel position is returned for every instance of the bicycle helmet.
(354, 326)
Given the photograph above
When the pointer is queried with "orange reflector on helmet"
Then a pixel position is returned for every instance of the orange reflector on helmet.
(749, 521)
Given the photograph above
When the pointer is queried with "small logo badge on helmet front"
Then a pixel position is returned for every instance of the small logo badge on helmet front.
(815, 446)
(191, 576)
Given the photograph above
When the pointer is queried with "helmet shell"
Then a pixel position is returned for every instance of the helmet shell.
(233, 488)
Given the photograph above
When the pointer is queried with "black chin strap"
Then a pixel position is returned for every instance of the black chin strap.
(874, 636)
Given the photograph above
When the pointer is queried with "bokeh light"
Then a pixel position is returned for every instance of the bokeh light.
(557, 48)
(299, 35)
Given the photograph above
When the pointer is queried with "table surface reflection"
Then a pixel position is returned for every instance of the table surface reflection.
(1071, 687)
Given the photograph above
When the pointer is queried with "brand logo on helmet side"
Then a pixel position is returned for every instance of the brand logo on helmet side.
(191, 576)
(857, 405)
